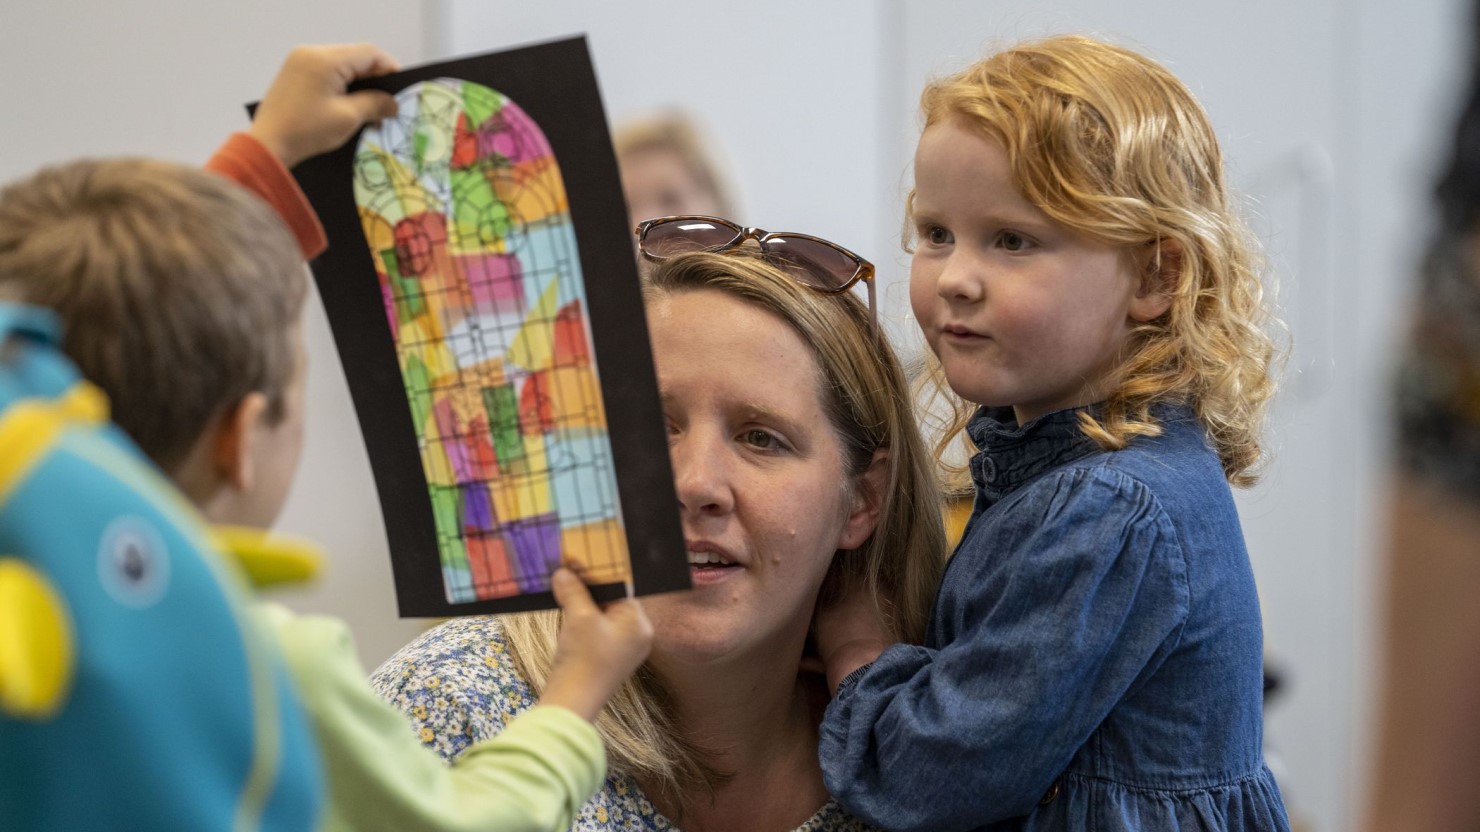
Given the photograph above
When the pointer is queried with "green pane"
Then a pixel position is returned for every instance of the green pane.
(502, 404)
(478, 215)
(421, 148)
(447, 510)
(452, 552)
(480, 103)
(406, 292)
(418, 391)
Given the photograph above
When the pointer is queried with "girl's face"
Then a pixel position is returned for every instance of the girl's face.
(760, 478)
(1021, 311)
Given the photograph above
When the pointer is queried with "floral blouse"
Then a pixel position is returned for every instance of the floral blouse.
(459, 685)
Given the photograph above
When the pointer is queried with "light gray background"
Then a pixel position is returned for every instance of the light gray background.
(1330, 112)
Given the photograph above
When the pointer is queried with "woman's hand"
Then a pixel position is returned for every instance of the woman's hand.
(599, 647)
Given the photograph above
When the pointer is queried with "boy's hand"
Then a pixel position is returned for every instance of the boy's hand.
(306, 110)
(850, 632)
(598, 648)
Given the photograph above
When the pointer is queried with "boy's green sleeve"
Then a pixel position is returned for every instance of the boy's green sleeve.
(534, 775)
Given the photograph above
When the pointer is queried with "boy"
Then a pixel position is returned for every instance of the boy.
(181, 296)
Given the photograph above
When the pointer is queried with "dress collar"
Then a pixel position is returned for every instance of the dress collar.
(1011, 454)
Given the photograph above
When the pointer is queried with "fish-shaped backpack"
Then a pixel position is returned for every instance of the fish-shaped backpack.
(136, 689)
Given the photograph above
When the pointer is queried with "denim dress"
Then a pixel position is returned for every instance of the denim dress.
(1093, 658)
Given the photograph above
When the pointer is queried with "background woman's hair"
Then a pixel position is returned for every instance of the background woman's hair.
(674, 133)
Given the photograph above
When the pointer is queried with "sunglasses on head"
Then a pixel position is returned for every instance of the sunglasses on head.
(812, 261)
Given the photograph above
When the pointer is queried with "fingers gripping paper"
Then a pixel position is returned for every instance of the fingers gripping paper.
(522, 404)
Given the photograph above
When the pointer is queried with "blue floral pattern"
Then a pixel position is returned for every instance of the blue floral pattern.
(458, 684)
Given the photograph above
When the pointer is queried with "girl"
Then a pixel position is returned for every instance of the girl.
(1093, 657)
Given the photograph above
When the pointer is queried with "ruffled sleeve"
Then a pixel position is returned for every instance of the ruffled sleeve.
(1060, 599)
(246, 162)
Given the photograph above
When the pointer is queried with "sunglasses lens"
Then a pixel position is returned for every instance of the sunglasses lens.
(668, 239)
(816, 264)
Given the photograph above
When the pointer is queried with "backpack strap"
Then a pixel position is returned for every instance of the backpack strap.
(30, 427)
(41, 393)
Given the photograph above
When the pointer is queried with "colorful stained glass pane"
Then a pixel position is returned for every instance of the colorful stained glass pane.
(466, 218)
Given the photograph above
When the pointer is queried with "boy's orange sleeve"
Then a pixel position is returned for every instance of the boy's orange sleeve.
(245, 161)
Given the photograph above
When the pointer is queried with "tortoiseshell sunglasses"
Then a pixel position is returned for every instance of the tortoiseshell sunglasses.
(814, 262)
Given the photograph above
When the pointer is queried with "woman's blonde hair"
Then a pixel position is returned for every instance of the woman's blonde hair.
(867, 401)
(1110, 144)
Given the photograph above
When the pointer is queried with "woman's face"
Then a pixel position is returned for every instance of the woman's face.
(759, 474)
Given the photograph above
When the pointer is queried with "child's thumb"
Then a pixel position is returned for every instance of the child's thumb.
(570, 593)
(631, 616)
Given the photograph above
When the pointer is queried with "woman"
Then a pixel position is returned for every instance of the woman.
(799, 472)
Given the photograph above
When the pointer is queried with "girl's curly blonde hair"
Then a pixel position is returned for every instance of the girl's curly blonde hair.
(1110, 144)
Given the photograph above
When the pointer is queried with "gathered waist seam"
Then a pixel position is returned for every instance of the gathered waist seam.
(1166, 790)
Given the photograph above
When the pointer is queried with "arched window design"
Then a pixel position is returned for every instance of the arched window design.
(466, 217)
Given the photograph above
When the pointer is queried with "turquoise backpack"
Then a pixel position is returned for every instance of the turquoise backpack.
(135, 690)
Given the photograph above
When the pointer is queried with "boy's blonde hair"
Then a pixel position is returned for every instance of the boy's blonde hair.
(866, 398)
(177, 289)
(1110, 144)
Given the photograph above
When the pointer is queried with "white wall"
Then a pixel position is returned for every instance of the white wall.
(795, 97)
(1330, 113)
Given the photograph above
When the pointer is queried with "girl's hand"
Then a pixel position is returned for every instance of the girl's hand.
(850, 632)
(598, 648)
(307, 111)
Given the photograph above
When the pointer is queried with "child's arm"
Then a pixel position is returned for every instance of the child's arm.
(245, 161)
(850, 633)
(598, 649)
(1048, 636)
(534, 775)
(306, 111)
